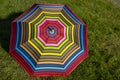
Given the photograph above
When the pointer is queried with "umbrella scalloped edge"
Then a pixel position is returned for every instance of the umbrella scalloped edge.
(24, 63)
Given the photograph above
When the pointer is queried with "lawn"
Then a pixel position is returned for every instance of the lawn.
(103, 20)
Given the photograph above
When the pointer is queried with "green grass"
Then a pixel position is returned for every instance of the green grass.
(103, 20)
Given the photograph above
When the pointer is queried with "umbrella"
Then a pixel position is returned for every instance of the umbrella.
(48, 40)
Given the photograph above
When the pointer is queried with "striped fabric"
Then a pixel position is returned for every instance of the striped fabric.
(48, 40)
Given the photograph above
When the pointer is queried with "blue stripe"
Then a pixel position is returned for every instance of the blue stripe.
(45, 6)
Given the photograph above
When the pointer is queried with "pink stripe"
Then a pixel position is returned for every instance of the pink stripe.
(48, 44)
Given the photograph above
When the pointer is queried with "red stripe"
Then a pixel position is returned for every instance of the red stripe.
(12, 39)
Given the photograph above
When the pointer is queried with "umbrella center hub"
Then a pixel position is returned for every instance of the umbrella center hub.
(51, 30)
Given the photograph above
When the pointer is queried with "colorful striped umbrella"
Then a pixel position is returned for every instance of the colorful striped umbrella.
(48, 40)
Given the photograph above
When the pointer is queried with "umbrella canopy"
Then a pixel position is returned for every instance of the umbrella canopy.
(48, 40)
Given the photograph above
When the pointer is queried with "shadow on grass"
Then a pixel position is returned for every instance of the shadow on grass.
(5, 33)
(5, 30)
